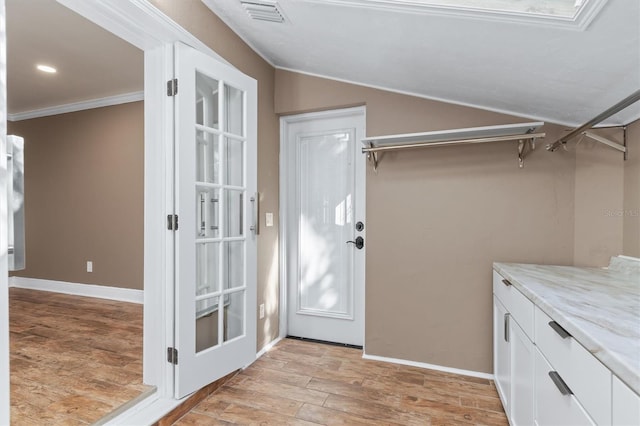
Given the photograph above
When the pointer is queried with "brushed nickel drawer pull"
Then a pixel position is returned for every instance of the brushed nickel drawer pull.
(560, 384)
(558, 329)
(506, 282)
(506, 327)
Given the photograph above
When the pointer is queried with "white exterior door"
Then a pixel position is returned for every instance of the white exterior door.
(216, 167)
(325, 172)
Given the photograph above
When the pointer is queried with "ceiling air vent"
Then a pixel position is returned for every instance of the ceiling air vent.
(263, 10)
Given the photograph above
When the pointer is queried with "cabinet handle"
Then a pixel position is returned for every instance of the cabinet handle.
(560, 384)
(506, 327)
(506, 282)
(558, 329)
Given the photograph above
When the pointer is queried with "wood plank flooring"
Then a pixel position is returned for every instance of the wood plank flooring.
(303, 383)
(73, 359)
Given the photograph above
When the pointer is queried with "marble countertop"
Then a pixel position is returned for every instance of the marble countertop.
(599, 307)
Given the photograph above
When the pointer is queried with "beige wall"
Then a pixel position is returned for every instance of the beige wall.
(437, 219)
(599, 200)
(631, 221)
(196, 18)
(84, 195)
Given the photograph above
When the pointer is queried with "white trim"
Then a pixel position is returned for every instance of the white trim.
(430, 366)
(579, 22)
(147, 412)
(231, 24)
(78, 289)
(268, 346)
(77, 106)
(432, 98)
(285, 121)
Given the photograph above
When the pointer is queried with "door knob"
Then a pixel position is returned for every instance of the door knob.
(359, 243)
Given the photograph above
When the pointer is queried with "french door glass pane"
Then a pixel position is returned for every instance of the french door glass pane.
(234, 110)
(207, 223)
(207, 157)
(234, 271)
(234, 213)
(206, 101)
(207, 317)
(208, 255)
(234, 159)
(234, 310)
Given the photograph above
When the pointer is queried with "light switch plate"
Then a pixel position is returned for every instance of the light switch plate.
(269, 219)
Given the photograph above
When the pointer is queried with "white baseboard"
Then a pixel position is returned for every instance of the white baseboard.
(88, 290)
(268, 347)
(430, 366)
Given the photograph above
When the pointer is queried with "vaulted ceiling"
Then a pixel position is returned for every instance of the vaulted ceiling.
(529, 68)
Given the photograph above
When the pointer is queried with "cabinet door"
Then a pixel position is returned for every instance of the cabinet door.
(522, 375)
(626, 405)
(554, 406)
(501, 352)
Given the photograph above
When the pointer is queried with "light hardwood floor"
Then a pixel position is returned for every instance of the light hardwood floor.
(73, 359)
(302, 383)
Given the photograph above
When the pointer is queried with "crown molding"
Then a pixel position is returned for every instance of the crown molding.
(77, 106)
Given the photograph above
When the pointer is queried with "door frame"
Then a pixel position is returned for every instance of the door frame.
(285, 121)
(146, 27)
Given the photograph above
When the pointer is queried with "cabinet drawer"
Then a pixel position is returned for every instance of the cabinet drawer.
(626, 405)
(552, 407)
(588, 378)
(520, 308)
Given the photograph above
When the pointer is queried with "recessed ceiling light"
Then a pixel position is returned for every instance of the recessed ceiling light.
(46, 68)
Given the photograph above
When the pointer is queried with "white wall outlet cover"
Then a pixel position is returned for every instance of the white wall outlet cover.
(89, 266)
(261, 310)
(269, 219)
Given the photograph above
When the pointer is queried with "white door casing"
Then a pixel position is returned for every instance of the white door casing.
(216, 180)
(323, 197)
(4, 269)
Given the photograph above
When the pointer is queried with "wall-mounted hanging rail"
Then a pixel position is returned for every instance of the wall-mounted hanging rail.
(524, 133)
(626, 102)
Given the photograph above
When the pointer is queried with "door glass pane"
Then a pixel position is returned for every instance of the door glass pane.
(207, 157)
(207, 214)
(325, 196)
(234, 110)
(206, 101)
(234, 262)
(234, 311)
(207, 323)
(234, 162)
(234, 213)
(207, 268)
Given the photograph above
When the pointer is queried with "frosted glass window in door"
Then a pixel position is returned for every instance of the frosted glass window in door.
(207, 212)
(325, 195)
(234, 100)
(207, 101)
(234, 311)
(207, 157)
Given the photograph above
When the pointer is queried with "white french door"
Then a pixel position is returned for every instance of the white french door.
(325, 173)
(216, 166)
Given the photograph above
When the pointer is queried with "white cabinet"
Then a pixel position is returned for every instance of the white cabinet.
(554, 403)
(513, 351)
(626, 405)
(501, 353)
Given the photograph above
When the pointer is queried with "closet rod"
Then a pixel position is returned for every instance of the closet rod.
(455, 142)
(633, 98)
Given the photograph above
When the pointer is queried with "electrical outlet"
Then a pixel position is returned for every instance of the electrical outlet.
(268, 219)
(261, 310)
(89, 266)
